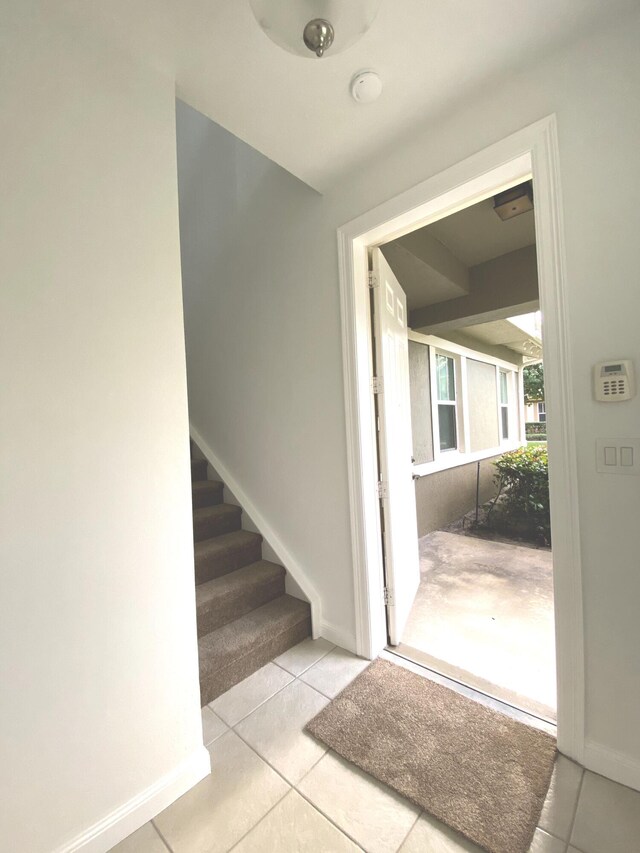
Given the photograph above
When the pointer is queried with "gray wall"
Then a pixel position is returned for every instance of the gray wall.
(447, 495)
(483, 405)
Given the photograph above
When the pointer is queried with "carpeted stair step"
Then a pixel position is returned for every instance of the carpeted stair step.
(209, 521)
(228, 597)
(231, 653)
(226, 553)
(206, 493)
(198, 469)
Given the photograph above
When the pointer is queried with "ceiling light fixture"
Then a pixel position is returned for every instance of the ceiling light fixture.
(314, 27)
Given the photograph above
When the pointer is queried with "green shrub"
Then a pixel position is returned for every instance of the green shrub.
(535, 427)
(523, 477)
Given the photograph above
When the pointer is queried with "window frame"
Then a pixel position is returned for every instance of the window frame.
(436, 402)
(508, 405)
(461, 455)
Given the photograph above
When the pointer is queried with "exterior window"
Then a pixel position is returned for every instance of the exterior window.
(445, 376)
(465, 405)
(542, 413)
(504, 404)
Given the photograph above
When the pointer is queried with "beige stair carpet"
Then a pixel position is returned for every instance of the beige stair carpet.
(244, 616)
(479, 771)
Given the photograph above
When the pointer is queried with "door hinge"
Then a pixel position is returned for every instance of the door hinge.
(388, 596)
(373, 280)
(377, 384)
(383, 490)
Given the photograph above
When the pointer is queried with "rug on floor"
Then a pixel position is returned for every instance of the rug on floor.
(475, 769)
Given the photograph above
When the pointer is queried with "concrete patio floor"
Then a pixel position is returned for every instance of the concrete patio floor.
(484, 616)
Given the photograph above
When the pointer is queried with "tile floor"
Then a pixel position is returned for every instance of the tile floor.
(274, 789)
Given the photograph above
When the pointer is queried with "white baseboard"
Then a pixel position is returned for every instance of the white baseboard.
(338, 636)
(115, 827)
(612, 764)
(265, 529)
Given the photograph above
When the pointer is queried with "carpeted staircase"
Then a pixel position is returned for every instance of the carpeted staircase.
(244, 616)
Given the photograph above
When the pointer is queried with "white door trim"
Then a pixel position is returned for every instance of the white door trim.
(531, 151)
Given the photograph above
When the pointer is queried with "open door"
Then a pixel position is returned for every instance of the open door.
(400, 532)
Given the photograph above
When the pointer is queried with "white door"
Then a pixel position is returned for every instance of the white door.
(400, 532)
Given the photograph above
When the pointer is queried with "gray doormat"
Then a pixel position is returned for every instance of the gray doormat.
(479, 771)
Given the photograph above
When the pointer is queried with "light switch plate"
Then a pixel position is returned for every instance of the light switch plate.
(618, 455)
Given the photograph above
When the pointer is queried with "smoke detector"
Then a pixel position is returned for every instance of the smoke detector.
(366, 87)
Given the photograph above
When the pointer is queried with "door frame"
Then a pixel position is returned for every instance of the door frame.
(531, 152)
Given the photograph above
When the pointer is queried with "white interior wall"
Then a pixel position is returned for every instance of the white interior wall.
(593, 89)
(98, 660)
(261, 376)
(97, 653)
(265, 358)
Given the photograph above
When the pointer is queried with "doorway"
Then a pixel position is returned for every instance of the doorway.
(482, 612)
(531, 153)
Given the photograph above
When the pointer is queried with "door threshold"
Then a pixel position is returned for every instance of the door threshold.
(394, 655)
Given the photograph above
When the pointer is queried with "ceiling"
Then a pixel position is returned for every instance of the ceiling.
(507, 334)
(423, 283)
(433, 263)
(298, 111)
(477, 234)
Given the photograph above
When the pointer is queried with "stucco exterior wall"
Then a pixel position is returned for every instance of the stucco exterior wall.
(444, 496)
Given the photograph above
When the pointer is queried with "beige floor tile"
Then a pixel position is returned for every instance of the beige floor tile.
(431, 835)
(221, 809)
(370, 813)
(275, 730)
(245, 697)
(608, 817)
(545, 843)
(560, 804)
(294, 826)
(145, 840)
(334, 672)
(304, 655)
(212, 726)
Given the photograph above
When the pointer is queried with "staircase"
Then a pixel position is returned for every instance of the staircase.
(244, 616)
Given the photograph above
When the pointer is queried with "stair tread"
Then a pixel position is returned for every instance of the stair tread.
(215, 519)
(207, 486)
(227, 584)
(215, 511)
(231, 596)
(206, 493)
(237, 538)
(221, 553)
(223, 646)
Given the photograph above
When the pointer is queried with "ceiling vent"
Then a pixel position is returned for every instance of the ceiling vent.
(514, 201)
